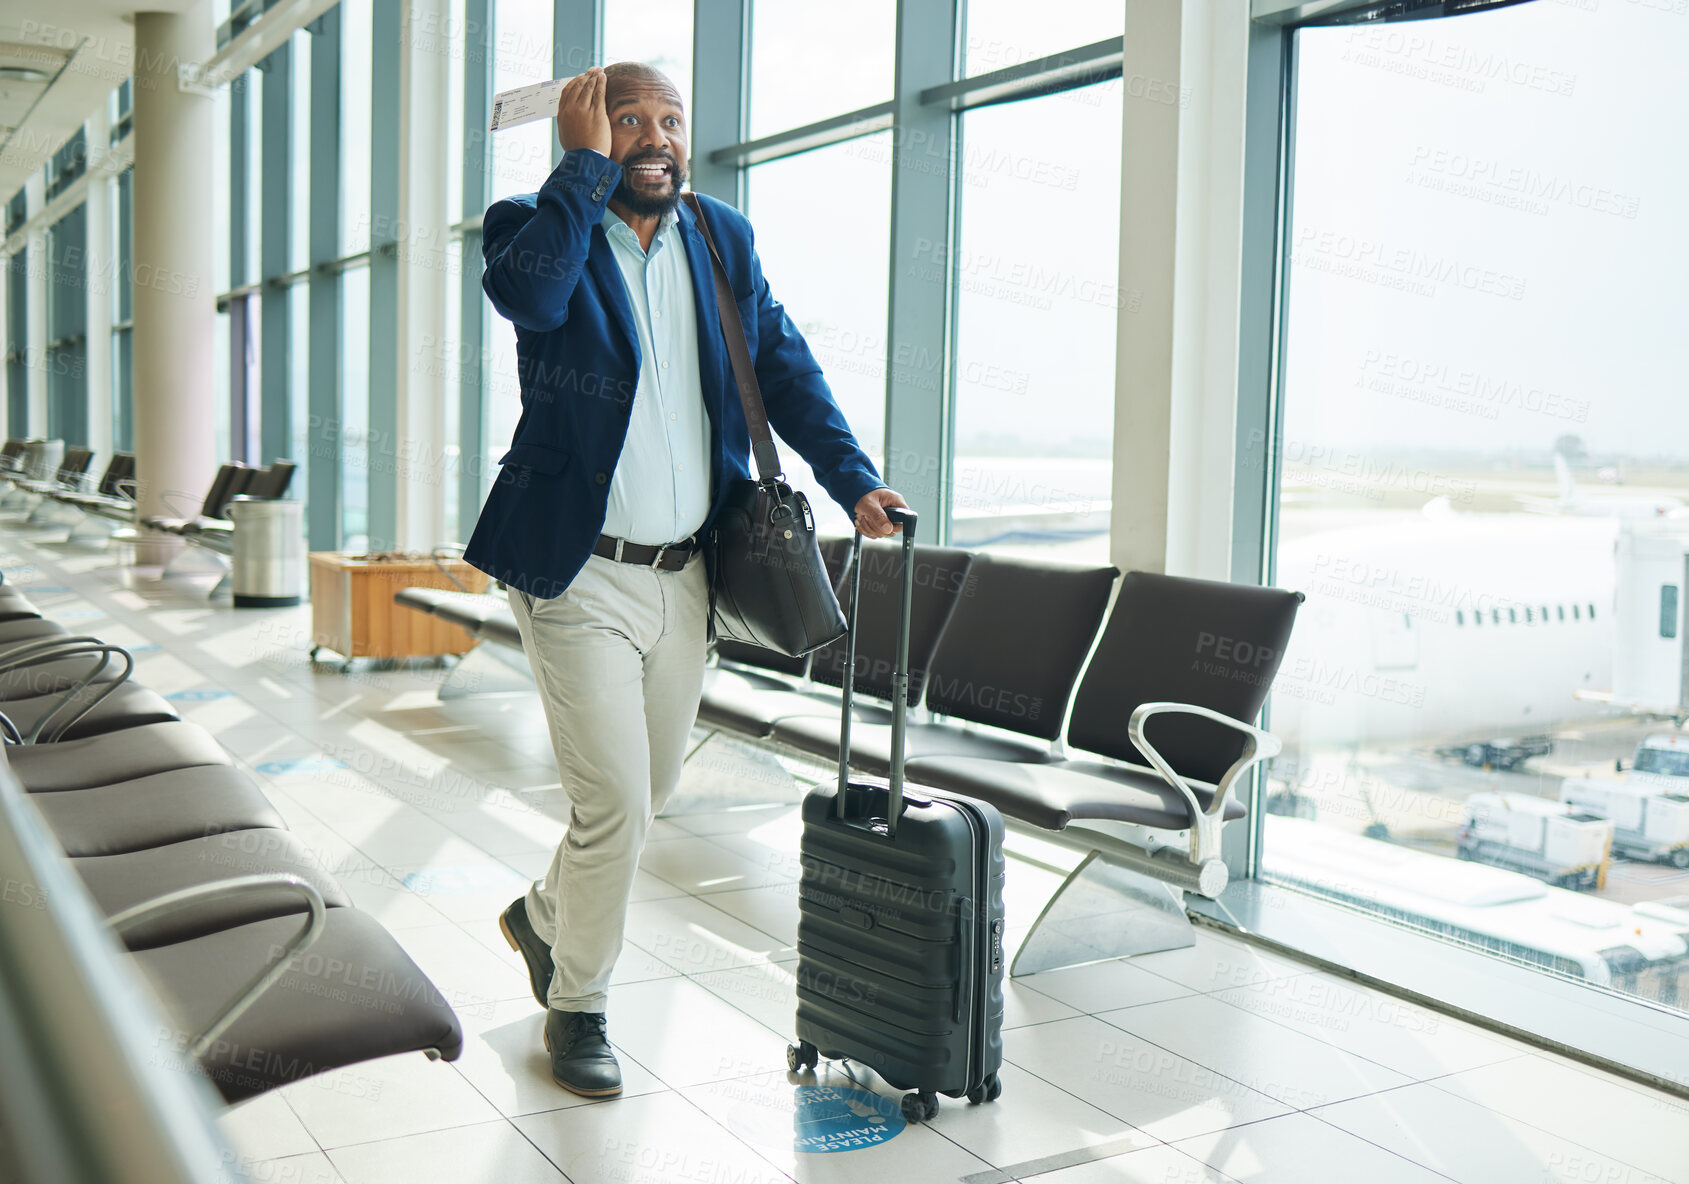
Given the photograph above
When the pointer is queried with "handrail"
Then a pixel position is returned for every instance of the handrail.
(87, 1092)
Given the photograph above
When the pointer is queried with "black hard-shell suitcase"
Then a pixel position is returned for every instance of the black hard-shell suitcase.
(900, 915)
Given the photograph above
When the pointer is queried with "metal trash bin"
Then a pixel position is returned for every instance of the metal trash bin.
(269, 552)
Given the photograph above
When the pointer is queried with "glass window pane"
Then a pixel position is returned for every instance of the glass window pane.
(656, 32)
(1004, 33)
(792, 84)
(357, 48)
(1037, 302)
(254, 175)
(521, 56)
(833, 285)
(448, 359)
(1483, 340)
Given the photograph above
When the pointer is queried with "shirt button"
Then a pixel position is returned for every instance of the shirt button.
(671, 414)
(665, 365)
(682, 468)
(656, 312)
(601, 478)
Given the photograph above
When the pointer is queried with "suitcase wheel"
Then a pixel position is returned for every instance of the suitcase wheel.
(988, 1090)
(802, 1055)
(920, 1107)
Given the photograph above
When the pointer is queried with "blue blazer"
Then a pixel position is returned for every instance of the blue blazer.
(549, 270)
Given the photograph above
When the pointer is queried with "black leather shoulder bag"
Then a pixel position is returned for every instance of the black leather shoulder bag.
(768, 584)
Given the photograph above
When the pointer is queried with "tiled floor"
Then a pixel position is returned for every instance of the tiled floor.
(1217, 1063)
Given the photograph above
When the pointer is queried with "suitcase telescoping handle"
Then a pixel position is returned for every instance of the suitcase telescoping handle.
(905, 517)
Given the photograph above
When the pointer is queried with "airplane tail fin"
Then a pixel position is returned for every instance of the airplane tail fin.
(1563, 476)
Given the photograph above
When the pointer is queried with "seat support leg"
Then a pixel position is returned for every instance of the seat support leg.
(1103, 911)
(90, 529)
(192, 560)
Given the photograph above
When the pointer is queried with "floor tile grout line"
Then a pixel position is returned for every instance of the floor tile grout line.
(1289, 1108)
(1311, 1113)
(1433, 1083)
(1346, 1051)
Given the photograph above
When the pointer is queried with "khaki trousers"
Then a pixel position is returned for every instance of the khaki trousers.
(619, 659)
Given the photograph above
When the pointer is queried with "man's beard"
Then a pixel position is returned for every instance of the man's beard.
(648, 205)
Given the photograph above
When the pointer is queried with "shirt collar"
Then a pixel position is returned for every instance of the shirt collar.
(613, 224)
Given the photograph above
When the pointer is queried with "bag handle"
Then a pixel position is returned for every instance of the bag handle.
(763, 452)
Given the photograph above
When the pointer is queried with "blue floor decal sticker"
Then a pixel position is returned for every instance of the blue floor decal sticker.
(828, 1119)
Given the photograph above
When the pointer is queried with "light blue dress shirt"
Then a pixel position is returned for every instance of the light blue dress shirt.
(660, 490)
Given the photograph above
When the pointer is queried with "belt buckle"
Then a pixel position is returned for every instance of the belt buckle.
(657, 558)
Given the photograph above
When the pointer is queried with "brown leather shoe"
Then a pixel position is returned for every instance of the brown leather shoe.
(513, 923)
(581, 1059)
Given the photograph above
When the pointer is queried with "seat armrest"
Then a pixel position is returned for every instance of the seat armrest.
(1259, 745)
(281, 957)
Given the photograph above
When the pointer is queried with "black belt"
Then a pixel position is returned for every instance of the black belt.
(665, 557)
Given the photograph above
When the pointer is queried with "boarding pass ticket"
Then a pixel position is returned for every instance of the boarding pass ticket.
(526, 104)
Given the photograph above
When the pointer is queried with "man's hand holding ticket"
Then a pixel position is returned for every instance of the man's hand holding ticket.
(525, 104)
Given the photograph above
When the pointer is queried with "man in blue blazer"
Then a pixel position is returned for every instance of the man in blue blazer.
(630, 433)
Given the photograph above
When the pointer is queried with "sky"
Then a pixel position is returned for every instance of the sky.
(1488, 241)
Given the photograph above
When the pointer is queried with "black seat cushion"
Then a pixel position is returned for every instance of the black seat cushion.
(154, 810)
(1012, 652)
(117, 882)
(120, 756)
(500, 628)
(1050, 796)
(484, 616)
(870, 740)
(15, 606)
(941, 575)
(53, 676)
(25, 629)
(749, 703)
(129, 706)
(1204, 642)
(353, 996)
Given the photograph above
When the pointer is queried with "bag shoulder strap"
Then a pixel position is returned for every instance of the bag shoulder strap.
(763, 452)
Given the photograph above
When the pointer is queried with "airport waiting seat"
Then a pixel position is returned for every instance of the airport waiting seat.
(35, 461)
(121, 880)
(1165, 705)
(124, 706)
(1008, 659)
(113, 497)
(229, 481)
(153, 810)
(216, 532)
(159, 809)
(15, 606)
(373, 1002)
(117, 757)
(485, 616)
(70, 474)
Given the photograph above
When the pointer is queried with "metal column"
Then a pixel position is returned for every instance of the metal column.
(384, 279)
(471, 359)
(275, 355)
(923, 201)
(323, 429)
(721, 37)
